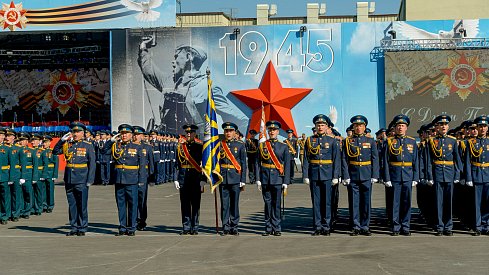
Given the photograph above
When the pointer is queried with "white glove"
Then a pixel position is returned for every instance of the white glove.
(469, 184)
(335, 181)
(241, 184)
(53, 179)
(306, 181)
(373, 180)
(34, 182)
(284, 186)
(22, 181)
(66, 137)
(258, 184)
(462, 182)
(456, 181)
(388, 183)
(161, 161)
(202, 184)
(177, 185)
(89, 183)
(10, 182)
(414, 183)
(114, 138)
(41, 179)
(430, 182)
(346, 182)
(422, 181)
(141, 184)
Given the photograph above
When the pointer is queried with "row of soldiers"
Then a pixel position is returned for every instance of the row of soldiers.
(28, 172)
(164, 155)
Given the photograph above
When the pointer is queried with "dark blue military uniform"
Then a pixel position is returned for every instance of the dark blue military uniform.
(79, 174)
(156, 157)
(5, 162)
(37, 185)
(105, 158)
(252, 153)
(50, 163)
(360, 168)
(401, 171)
(272, 180)
(443, 170)
(234, 177)
(129, 172)
(189, 179)
(323, 155)
(293, 150)
(147, 151)
(477, 175)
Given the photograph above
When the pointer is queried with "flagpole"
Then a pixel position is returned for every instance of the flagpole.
(209, 88)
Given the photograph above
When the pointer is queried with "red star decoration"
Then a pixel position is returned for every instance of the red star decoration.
(69, 92)
(21, 13)
(464, 75)
(277, 101)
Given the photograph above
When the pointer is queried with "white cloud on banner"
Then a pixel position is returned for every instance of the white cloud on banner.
(361, 40)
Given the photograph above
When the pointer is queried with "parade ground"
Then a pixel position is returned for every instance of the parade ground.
(39, 245)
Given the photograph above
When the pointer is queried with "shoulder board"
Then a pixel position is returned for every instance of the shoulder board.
(452, 137)
(87, 142)
(409, 137)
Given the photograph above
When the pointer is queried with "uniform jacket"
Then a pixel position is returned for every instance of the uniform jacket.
(231, 175)
(400, 159)
(6, 158)
(442, 159)
(184, 173)
(17, 167)
(360, 160)
(318, 151)
(129, 162)
(477, 160)
(293, 148)
(80, 160)
(50, 163)
(268, 175)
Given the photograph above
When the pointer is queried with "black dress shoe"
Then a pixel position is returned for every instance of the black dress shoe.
(365, 232)
(185, 232)
(49, 211)
(194, 232)
(71, 233)
(405, 233)
(277, 233)
(448, 233)
(15, 219)
(80, 234)
(439, 233)
(225, 233)
(25, 217)
(476, 233)
(325, 233)
(354, 232)
(395, 233)
(484, 232)
(131, 234)
(3, 222)
(316, 233)
(120, 233)
(234, 232)
(266, 233)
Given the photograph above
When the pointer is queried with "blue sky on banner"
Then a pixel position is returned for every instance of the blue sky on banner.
(104, 8)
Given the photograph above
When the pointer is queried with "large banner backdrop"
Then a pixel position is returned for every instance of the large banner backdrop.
(293, 71)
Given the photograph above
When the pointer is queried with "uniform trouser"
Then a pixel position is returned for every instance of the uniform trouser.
(389, 197)
(420, 199)
(77, 195)
(229, 205)
(469, 205)
(401, 205)
(444, 196)
(105, 172)
(190, 205)
(142, 205)
(360, 200)
(39, 192)
(321, 196)
(49, 194)
(172, 168)
(272, 196)
(160, 176)
(292, 168)
(168, 176)
(126, 196)
(251, 167)
(481, 195)
(335, 193)
(5, 204)
(28, 198)
(17, 199)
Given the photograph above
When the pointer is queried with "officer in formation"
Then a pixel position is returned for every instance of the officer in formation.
(322, 153)
(301, 143)
(189, 180)
(400, 172)
(5, 162)
(252, 152)
(147, 151)
(50, 164)
(38, 192)
(273, 175)
(103, 158)
(291, 142)
(129, 174)
(79, 175)
(360, 170)
(232, 161)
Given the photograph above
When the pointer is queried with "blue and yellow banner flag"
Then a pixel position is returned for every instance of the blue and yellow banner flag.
(210, 151)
